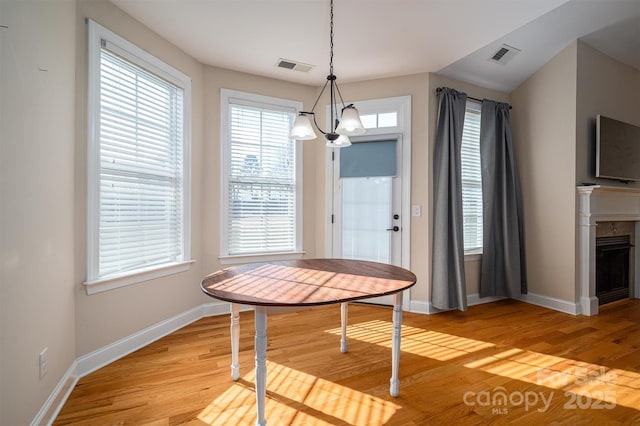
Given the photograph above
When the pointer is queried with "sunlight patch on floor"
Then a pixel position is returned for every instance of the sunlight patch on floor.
(611, 385)
(572, 377)
(430, 344)
(295, 397)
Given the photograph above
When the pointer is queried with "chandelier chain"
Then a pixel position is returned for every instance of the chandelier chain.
(331, 41)
(302, 126)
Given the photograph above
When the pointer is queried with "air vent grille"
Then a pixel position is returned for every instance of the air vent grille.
(286, 64)
(504, 54)
(293, 65)
(499, 54)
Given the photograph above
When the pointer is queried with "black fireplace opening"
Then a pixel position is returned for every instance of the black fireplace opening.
(612, 268)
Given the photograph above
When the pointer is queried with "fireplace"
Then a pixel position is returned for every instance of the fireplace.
(612, 268)
(606, 211)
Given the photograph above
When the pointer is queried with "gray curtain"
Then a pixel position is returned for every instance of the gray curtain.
(448, 289)
(503, 263)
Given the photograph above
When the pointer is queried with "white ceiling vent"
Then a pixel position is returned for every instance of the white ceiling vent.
(504, 54)
(293, 65)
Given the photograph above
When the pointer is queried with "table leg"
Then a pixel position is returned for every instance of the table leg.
(395, 348)
(344, 316)
(261, 362)
(235, 341)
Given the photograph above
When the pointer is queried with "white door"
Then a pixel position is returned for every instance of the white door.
(367, 213)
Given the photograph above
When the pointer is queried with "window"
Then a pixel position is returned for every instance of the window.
(262, 178)
(138, 164)
(379, 120)
(471, 180)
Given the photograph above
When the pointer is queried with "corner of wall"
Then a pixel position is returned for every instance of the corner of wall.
(37, 208)
(544, 126)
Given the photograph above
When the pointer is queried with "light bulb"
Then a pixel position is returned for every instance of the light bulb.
(302, 129)
(350, 123)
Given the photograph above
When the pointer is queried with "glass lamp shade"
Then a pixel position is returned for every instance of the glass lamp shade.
(302, 129)
(341, 142)
(350, 124)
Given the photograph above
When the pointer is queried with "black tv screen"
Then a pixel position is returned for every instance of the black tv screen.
(617, 149)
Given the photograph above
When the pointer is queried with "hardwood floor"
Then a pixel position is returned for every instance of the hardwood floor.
(501, 363)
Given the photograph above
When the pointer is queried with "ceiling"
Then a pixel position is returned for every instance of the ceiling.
(384, 38)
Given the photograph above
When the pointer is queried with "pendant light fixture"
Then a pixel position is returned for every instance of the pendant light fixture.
(348, 124)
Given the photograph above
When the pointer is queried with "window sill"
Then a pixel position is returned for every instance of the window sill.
(109, 283)
(472, 257)
(253, 258)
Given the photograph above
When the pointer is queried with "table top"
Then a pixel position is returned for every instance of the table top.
(306, 282)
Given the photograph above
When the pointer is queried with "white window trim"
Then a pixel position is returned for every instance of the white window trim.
(97, 33)
(226, 96)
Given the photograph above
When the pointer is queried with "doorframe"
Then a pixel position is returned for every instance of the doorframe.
(401, 105)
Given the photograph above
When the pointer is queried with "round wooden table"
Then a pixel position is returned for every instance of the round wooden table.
(305, 283)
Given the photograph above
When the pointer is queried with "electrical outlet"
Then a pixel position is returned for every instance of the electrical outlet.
(43, 363)
(416, 210)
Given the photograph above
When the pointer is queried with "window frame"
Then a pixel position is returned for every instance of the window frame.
(94, 282)
(227, 97)
(476, 252)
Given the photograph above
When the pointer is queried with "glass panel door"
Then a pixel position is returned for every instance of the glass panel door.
(366, 213)
(366, 204)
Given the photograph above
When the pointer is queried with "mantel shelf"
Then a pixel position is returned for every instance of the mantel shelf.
(588, 189)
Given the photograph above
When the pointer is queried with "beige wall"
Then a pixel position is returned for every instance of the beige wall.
(544, 126)
(36, 202)
(607, 87)
(554, 133)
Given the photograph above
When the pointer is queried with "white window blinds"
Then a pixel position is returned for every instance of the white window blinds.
(471, 179)
(141, 168)
(261, 180)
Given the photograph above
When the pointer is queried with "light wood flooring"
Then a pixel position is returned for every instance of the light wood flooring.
(501, 363)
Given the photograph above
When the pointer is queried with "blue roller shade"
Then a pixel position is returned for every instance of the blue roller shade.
(365, 159)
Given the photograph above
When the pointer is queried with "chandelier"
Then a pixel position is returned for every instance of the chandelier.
(348, 124)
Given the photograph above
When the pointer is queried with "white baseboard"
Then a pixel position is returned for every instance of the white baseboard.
(220, 308)
(561, 305)
(475, 299)
(107, 354)
(52, 406)
(97, 359)
(422, 307)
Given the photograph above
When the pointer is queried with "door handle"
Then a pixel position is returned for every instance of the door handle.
(394, 229)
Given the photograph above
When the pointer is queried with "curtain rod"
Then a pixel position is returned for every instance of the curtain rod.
(439, 89)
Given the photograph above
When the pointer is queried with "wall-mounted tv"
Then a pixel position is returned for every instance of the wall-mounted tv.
(617, 149)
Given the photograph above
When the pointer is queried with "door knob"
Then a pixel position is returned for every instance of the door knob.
(394, 229)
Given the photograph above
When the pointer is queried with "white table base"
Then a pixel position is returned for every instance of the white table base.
(261, 362)
(261, 349)
(235, 341)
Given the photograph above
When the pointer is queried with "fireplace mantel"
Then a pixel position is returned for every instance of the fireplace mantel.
(599, 203)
